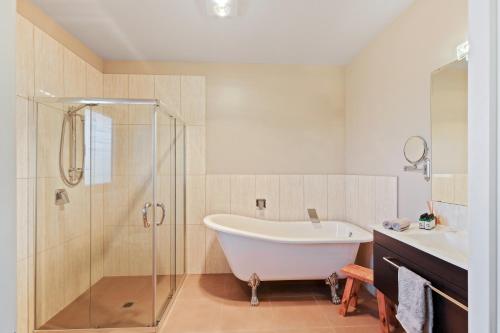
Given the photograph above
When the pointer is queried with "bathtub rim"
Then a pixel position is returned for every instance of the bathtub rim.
(366, 237)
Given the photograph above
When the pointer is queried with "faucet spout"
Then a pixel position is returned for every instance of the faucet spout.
(313, 215)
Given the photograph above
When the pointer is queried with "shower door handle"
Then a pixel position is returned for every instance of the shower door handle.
(145, 214)
(163, 213)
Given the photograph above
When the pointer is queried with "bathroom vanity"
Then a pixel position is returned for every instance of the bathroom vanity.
(435, 256)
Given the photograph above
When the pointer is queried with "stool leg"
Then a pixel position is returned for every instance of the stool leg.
(384, 312)
(346, 297)
(355, 293)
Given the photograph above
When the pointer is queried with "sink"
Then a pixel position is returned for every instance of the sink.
(451, 243)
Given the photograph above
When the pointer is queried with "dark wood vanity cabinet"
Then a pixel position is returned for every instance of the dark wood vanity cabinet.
(450, 279)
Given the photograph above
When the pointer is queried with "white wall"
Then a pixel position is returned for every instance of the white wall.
(7, 167)
(388, 93)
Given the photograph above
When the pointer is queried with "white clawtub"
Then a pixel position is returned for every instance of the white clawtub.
(259, 250)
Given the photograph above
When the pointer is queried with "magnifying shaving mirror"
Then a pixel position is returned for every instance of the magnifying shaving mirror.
(415, 151)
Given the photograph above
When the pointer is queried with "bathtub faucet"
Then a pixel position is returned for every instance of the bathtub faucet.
(313, 216)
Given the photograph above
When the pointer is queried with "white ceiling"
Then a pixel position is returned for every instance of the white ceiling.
(265, 31)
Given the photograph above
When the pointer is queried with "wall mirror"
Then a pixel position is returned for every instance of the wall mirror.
(449, 133)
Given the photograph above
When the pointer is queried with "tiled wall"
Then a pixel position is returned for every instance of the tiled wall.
(119, 245)
(46, 68)
(455, 216)
(363, 200)
(450, 188)
(127, 245)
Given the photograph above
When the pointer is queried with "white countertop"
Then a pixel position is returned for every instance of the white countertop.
(441, 242)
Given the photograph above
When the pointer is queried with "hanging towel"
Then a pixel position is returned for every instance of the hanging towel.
(415, 311)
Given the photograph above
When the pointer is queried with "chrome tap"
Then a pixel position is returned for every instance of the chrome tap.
(313, 216)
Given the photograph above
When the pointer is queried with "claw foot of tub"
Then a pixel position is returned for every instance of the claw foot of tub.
(333, 282)
(254, 283)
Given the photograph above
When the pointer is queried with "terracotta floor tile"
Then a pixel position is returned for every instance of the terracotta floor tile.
(103, 304)
(297, 313)
(366, 314)
(202, 315)
(290, 307)
(358, 329)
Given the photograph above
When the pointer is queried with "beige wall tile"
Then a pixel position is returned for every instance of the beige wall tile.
(140, 251)
(115, 201)
(460, 186)
(141, 86)
(386, 194)
(218, 199)
(216, 262)
(97, 233)
(165, 250)
(443, 187)
(49, 283)
(165, 146)
(193, 99)
(116, 86)
(22, 114)
(195, 199)
(366, 200)
(168, 90)
(50, 226)
(351, 199)
(120, 150)
(75, 75)
(76, 215)
(25, 57)
(139, 150)
(315, 195)
(195, 249)
(116, 251)
(336, 197)
(49, 66)
(140, 191)
(22, 296)
(180, 246)
(31, 206)
(95, 82)
(49, 135)
(31, 294)
(243, 195)
(292, 198)
(268, 187)
(195, 150)
(76, 267)
(22, 219)
(32, 140)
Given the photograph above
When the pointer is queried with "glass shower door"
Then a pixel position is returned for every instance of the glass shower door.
(165, 214)
(122, 292)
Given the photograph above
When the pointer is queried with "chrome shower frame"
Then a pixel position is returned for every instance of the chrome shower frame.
(76, 175)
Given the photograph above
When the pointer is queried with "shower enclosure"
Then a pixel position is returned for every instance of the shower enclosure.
(110, 226)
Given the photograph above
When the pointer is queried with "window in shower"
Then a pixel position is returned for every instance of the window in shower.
(98, 137)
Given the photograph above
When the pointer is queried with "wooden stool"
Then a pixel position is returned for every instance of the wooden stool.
(355, 276)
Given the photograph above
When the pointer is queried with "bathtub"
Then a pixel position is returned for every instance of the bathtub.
(259, 250)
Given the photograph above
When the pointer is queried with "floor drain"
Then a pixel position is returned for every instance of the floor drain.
(128, 305)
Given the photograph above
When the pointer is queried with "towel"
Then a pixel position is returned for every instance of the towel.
(397, 224)
(415, 311)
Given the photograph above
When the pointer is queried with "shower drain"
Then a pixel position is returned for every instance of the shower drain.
(127, 305)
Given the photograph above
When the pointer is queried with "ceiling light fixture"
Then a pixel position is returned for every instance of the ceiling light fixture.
(222, 8)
